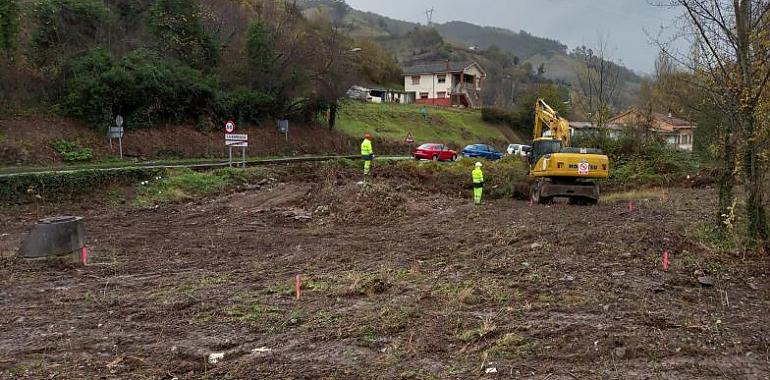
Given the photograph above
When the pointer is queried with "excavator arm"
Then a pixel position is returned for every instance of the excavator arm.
(547, 117)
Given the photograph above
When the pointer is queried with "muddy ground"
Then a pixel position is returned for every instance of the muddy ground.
(395, 284)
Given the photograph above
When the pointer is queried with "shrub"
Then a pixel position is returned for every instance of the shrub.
(67, 186)
(499, 116)
(654, 164)
(72, 151)
(141, 86)
(244, 105)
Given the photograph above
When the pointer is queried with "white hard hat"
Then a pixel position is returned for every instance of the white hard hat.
(478, 164)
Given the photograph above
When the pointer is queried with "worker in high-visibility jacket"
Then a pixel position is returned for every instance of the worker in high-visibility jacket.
(367, 153)
(478, 183)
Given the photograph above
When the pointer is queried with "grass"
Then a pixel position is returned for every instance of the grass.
(205, 283)
(184, 184)
(455, 127)
(710, 234)
(475, 293)
(326, 319)
(511, 346)
(486, 328)
(22, 370)
(180, 184)
(250, 313)
(634, 195)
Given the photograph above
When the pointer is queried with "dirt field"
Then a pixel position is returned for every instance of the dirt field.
(396, 284)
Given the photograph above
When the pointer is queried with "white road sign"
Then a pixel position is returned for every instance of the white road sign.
(229, 126)
(236, 140)
(116, 132)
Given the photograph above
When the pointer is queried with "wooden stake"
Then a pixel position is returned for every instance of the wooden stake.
(298, 286)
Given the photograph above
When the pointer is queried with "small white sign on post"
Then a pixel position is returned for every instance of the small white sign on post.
(116, 132)
(283, 127)
(236, 140)
(233, 140)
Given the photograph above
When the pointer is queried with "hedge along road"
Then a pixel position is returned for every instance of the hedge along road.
(200, 166)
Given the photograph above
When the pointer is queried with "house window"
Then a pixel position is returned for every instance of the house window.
(423, 95)
(441, 94)
(416, 80)
(441, 78)
(684, 139)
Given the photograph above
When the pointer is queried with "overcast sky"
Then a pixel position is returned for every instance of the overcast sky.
(573, 22)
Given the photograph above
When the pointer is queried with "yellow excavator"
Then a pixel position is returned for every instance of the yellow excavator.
(558, 170)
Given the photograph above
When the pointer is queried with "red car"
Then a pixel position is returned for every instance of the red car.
(435, 152)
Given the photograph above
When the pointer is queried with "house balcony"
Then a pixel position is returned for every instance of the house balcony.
(467, 94)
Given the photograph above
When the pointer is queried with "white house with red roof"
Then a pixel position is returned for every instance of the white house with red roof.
(445, 83)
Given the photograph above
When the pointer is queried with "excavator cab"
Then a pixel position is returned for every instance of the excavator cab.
(543, 147)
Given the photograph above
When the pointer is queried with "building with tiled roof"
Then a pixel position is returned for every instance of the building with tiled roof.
(445, 83)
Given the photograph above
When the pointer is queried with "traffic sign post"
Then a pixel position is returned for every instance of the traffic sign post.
(233, 140)
(116, 132)
(283, 127)
(410, 141)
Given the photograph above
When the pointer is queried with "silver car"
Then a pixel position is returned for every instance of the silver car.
(518, 149)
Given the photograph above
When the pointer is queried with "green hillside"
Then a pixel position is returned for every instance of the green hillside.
(443, 125)
(512, 59)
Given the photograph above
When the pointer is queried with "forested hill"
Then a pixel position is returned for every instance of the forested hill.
(557, 60)
(522, 44)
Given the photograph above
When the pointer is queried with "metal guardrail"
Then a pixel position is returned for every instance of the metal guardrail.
(205, 165)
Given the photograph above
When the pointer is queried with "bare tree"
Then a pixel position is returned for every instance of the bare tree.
(729, 62)
(335, 69)
(599, 81)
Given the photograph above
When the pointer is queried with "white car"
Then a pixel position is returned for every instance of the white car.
(517, 149)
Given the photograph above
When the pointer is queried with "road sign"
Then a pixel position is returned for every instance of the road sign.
(233, 140)
(583, 167)
(283, 126)
(409, 139)
(229, 126)
(116, 132)
(236, 140)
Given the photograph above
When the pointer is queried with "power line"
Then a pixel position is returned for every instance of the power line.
(429, 16)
